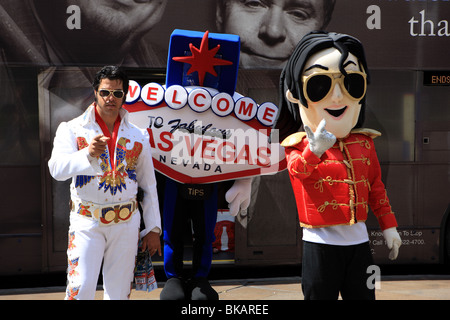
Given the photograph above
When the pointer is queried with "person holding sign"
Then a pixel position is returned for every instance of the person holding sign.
(208, 141)
(197, 203)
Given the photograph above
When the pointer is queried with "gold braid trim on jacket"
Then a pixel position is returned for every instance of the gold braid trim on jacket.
(297, 137)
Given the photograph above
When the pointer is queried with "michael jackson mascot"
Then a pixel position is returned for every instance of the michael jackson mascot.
(333, 165)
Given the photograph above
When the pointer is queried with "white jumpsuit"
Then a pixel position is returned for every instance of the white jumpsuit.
(104, 219)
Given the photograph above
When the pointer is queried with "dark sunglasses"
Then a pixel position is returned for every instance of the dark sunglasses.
(104, 93)
(318, 86)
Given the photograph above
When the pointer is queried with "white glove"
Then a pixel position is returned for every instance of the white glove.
(238, 197)
(393, 241)
(321, 140)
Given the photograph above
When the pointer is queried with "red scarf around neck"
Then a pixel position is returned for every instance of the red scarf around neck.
(113, 137)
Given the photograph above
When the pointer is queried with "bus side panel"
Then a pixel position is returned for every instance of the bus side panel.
(20, 221)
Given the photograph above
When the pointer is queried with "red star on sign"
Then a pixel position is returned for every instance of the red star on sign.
(203, 60)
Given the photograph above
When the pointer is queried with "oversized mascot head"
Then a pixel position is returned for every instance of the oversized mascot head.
(326, 77)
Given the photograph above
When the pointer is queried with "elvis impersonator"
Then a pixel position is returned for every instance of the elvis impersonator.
(107, 157)
(332, 164)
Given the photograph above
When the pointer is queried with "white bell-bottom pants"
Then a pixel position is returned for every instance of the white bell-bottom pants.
(90, 244)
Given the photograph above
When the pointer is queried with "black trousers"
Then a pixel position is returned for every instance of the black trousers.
(328, 270)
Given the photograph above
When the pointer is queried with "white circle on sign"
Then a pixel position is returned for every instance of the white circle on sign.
(199, 100)
(267, 112)
(176, 97)
(222, 104)
(152, 94)
(134, 92)
(245, 108)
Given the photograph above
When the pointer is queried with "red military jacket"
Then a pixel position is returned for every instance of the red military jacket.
(339, 187)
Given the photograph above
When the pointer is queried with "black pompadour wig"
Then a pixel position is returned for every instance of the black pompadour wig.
(288, 119)
(111, 73)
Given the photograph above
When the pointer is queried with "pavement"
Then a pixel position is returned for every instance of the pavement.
(282, 288)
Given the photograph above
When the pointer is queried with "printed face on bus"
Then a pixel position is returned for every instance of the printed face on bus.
(269, 30)
(330, 95)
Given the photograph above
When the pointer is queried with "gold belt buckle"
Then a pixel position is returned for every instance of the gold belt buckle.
(118, 213)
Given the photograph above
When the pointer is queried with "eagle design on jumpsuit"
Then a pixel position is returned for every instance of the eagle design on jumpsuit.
(113, 177)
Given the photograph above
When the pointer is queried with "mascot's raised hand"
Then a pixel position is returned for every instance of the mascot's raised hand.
(321, 140)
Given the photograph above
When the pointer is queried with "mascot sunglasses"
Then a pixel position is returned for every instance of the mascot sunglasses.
(318, 86)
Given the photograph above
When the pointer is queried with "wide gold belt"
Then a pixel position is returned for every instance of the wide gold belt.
(105, 214)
